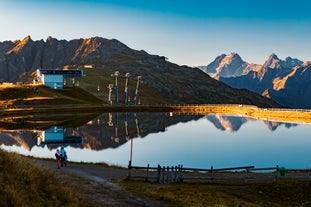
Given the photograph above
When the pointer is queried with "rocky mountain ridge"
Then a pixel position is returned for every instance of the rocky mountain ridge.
(179, 84)
(230, 65)
(285, 81)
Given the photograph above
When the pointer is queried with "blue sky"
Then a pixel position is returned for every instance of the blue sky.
(187, 32)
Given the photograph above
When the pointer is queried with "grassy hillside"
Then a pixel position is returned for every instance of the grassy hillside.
(25, 95)
(168, 85)
(24, 184)
(96, 82)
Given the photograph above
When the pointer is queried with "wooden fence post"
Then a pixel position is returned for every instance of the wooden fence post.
(180, 173)
(147, 176)
(276, 172)
(159, 173)
(175, 174)
(246, 178)
(163, 174)
(130, 169)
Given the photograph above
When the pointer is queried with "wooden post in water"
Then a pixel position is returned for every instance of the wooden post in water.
(212, 173)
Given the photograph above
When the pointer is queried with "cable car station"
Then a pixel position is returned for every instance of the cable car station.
(54, 78)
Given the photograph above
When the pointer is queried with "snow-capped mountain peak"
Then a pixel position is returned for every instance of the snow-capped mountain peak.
(226, 66)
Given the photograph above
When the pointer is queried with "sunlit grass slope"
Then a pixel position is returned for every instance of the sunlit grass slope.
(24, 95)
(24, 184)
(96, 81)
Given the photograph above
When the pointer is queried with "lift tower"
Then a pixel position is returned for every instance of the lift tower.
(127, 75)
(116, 74)
(136, 98)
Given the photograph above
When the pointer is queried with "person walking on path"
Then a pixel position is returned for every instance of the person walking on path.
(63, 154)
(58, 158)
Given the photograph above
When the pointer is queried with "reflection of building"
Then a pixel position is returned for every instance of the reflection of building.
(55, 135)
(55, 78)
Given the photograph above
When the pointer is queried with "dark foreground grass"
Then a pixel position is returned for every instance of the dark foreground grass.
(24, 184)
(260, 193)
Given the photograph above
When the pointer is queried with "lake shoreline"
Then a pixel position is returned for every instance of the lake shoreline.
(271, 114)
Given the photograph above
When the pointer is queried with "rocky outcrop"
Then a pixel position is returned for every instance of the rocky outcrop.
(230, 65)
(27, 55)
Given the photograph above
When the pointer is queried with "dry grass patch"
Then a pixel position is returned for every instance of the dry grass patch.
(262, 193)
(24, 184)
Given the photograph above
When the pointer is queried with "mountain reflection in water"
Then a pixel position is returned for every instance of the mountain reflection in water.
(233, 123)
(105, 137)
(108, 130)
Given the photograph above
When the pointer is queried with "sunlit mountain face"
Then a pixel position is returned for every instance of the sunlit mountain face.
(285, 81)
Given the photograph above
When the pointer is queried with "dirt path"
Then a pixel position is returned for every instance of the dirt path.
(95, 182)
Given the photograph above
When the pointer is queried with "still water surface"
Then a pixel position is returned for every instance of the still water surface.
(153, 138)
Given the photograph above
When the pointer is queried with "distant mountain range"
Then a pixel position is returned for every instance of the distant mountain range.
(172, 82)
(288, 81)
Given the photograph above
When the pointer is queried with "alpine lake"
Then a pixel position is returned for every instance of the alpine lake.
(167, 139)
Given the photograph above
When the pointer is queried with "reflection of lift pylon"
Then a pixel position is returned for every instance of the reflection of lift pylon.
(116, 137)
(136, 98)
(127, 136)
(137, 125)
(110, 123)
(139, 135)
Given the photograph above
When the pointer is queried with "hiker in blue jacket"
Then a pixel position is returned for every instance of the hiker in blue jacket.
(63, 157)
